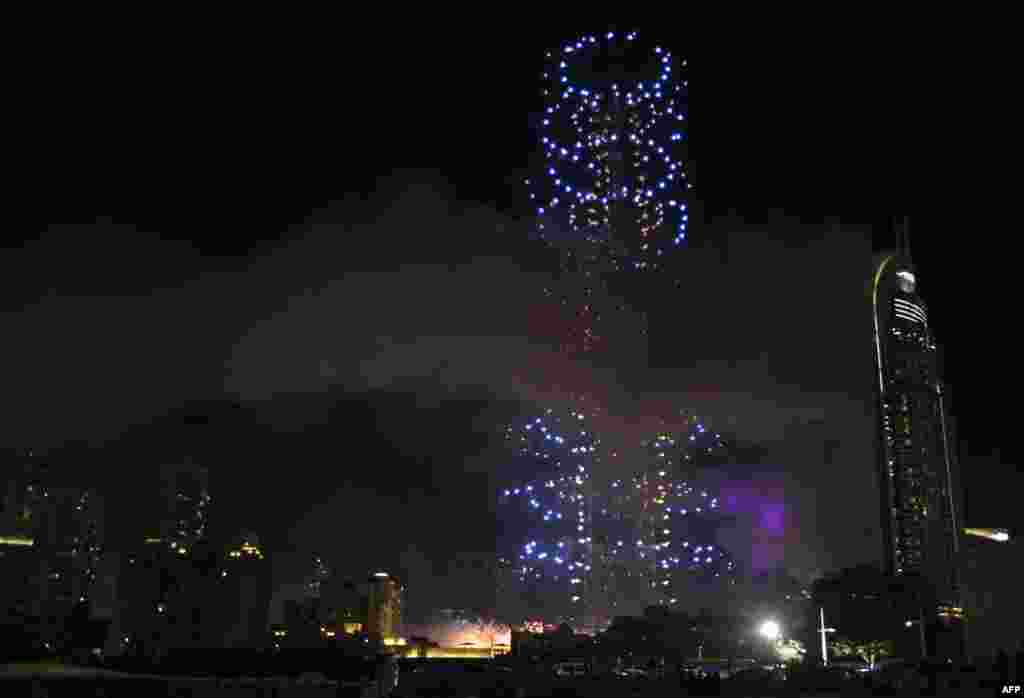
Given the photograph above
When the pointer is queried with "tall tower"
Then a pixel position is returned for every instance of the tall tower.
(68, 538)
(550, 541)
(23, 497)
(611, 201)
(246, 584)
(916, 458)
(384, 617)
(317, 588)
(318, 578)
(185, 491)
(612, 194)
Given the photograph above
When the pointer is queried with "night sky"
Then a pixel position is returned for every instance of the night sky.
(305, 261)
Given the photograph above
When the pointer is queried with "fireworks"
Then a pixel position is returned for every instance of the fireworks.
(583, 538)
(667, 514)
(557, 451)
(454, 628)
(612, 132)
(612, 199)
(612, 192)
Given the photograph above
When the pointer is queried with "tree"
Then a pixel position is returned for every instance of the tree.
(868, 650)
(789, 651)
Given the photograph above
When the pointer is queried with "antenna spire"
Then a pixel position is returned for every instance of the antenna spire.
(905, 237)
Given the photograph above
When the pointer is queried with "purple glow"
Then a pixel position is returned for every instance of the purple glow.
(764, 526)
(772, 518)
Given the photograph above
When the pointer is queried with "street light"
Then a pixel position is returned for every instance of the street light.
(824, 631)
(924, 640)
(770, 630)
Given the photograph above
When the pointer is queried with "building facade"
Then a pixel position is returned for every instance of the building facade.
(384, 617)
(206, 596)
(917, 469)
(23, 497)
(69, 535)
(51, 542)
(185, 495)
(246, 585)
(24, 494)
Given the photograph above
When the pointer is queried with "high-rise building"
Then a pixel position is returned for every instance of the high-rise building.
(23, 497)
(318, 578)
(246, 587)
(203, 596)
(345, 606)
(69, 536)
(612, 192)
(20, 507)
(52, 539)
(384, 617)
(920, 492)
(18, 586)
(185, 494)
(508, 600)
(606, 586)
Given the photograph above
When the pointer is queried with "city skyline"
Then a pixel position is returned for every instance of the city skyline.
(121, 352)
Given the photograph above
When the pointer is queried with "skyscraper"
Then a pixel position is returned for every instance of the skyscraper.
(67, 530)
(245, 585)
(69, 533)
(185, 491)
(319, 577)
(550, 539)
(24, 496)
(384, 617)
(612, 193)
(916, 461)
(318, 600)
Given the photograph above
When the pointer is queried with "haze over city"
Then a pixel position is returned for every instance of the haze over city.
(329, 290)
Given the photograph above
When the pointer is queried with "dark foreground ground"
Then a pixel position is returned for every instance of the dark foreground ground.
(454, 680)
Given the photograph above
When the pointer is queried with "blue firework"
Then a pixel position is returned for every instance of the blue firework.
(613, 191)
(661, 523)
(546, 522)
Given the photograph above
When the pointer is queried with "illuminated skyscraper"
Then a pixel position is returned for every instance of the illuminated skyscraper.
(612, 194)
(185, 493)
(384, 617)
(246, 584)
(550, 542)
(345, 605)
(587, 552)
(661, 523)
(68, 539)
(318, 578)
(70, 534)
(23, 497)
(319, 599)
(916, 459)
(60, 530)
(612, 199)
(508, 597)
